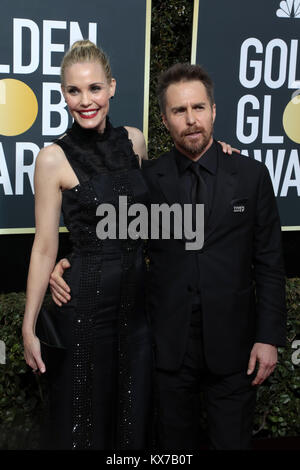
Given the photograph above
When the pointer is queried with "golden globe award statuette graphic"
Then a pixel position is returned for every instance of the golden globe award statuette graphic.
(291, 119)
(18, 107)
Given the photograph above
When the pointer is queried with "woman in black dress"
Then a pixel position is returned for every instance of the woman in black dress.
(95, 350)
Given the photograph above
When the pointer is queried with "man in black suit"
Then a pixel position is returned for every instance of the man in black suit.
(217, 313)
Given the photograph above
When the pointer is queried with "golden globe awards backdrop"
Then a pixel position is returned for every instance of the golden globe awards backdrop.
(251, 49)
(34, 35)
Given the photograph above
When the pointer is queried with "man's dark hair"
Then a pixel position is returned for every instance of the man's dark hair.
(183, 73)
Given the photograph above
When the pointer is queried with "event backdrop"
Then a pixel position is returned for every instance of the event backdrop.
(251, 49)
(33, 38)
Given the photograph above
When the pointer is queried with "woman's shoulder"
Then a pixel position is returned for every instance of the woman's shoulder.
(135, 134)
(138, 141)
(50, 157)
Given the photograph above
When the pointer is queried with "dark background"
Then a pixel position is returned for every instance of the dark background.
(220, 56)
(122, 37)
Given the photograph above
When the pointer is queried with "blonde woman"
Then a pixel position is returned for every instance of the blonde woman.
(95, 351)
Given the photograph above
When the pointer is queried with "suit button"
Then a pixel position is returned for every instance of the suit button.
(190, 289)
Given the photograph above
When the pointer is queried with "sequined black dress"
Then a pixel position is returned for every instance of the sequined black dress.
(100, 379)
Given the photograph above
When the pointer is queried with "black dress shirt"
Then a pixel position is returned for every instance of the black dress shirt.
(208, 163)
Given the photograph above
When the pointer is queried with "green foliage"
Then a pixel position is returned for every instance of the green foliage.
(20, 391)
(278, 407)
(171, 35)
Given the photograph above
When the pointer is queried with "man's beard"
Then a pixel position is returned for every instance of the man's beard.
(197, 147)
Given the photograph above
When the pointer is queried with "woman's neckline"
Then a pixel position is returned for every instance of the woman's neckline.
(90, 135)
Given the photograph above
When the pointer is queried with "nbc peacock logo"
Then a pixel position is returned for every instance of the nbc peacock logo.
(289, 9)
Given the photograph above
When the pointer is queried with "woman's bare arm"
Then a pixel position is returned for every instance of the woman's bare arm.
(44, 250)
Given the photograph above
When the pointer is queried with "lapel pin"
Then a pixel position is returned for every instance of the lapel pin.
(238, 208)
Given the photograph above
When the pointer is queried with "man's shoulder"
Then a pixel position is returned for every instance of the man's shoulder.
(241, 161)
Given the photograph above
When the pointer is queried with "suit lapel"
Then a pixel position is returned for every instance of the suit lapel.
(224, 191)
(168, 181)
(226, 182)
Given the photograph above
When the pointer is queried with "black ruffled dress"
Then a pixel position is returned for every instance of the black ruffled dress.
(100, 368)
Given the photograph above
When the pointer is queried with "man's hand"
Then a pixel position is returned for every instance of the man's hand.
(227, 148)
(266, 355)
(59, 288)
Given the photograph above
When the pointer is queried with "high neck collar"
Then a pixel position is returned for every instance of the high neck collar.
(90, 135)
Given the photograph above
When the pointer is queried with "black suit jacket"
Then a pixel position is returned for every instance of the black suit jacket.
(242, 281)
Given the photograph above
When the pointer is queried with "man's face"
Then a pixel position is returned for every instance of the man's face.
(189, 117)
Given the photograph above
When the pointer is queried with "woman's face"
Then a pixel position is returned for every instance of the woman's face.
(87, 93)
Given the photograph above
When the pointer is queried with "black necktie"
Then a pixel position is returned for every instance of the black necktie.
(199, 189)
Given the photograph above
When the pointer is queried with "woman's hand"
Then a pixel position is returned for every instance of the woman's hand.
(227, 148)
(32, 352)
